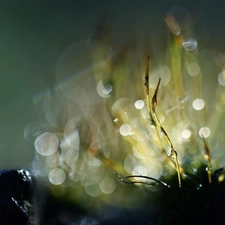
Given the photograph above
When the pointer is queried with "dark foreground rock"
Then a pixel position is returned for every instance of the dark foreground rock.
(25, 202)
(15, 197)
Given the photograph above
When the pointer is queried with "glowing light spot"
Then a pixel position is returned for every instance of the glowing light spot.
(193, 69)
(186, 134)
(190, 45)
(199, 186)
(198, 104)
(205, 131)
(104, 90)
(46, 144)
(221, 78)
(139, 104)
(194, 170)
(107, 186)
(93, 190)
(57, 176)
(125, 130)
(162, 72)
(139, 170)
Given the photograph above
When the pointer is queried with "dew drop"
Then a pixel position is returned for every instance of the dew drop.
(190, 45)
(104, 90)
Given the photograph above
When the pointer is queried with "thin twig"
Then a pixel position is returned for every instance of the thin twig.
(142, 182)
(208, 159)
(155, 121)
(173, 151)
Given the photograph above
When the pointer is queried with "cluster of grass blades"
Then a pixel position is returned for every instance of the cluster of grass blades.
(194, 195)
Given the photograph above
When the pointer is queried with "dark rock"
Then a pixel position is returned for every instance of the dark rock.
(15, 197)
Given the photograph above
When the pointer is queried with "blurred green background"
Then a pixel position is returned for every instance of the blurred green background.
(35, 33)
